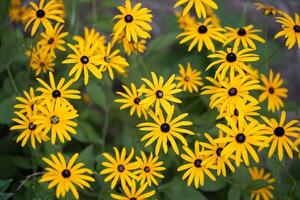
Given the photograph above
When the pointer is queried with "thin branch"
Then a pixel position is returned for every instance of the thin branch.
(28, 178)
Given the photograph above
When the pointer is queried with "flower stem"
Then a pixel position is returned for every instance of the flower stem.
(12, 81)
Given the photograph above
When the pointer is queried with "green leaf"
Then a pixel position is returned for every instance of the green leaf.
(257, 184)
(4, 184)
(87, 157)
(234, 193)
(87, 134)
(212, 186)
(162, 42)
(242, 176)
(97, 94)
(6, 110)
(4, 196)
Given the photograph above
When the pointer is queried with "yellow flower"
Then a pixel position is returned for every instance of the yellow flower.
(202, 33)
(16, 14)
(244, 35)
(130, 48)
(264, 193)
(273, 91)
(212, 14)
(164, 130)
(66, 176)
(231, 94)
(132, 98)
(57, 118)
(110, 59)
(185, 21)
(43, 13)
(27, 124)
(213, 152)
(253, 73)
(196, 168)
(159, 94)
(52, 39)
(189, 79)
(149, 169)
(85, 60)
(119, 168)
(91, 34)
(41, 61)
(198, 4)
(280, 135)
(15, 3)
(57, 93)
(234, 60)
(291, 29)
(27, 102)
(268, 10)
(132, 193)
(241, 138)
(134, 21)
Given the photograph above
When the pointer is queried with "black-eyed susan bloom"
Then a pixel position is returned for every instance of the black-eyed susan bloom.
(265, 192)
(149, 169)
(66, 176)
(131, 192)
(159, 94)
(241, 139)
(230, 95)
(189, 79)
(119, 168)
(57, 118)
(165, 129)
(202, 34)
(85, 60)
(131, 98)
(233, 60)
(91, 34)
(28, 101)
(134, 21)
(290, 30)
(185, 21)
(272, 91)
(195, 168)
(42, 14)
(245, 36)
(267, 10)
(53, 38)
(41, 61)
(198, 4)
(16, 14)
(280, 135)
(59, 93)
(111, 60)
(130, 48)
(26, 124)
(213, 151)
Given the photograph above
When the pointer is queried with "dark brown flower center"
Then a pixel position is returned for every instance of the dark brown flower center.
(51, 40)
(132, 198)
(31, 126)
(121, 168)
(197, 163)
(137, 101)
(165, 127)
(232, 92)
(271, 90)
(84, 60)
(219, 151)
(240, 138)
(187, 79)
(236, 112)
(147, 169)
(297, 28)
(279, 131)
(159, 94)
(54, 120)
(128, 18)
(66, 173)
(231, 57)
(107, 59)
(40, 13)
(202, 29)
(242, 32)
(56, 94)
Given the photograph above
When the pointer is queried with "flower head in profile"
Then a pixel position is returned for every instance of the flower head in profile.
(280, 135)
(119, 168)
(134, 21)
(131, 192)
(43, 13)
(202, 34)
(165, 129)
(131, 98)
(232, 60)
(266, 191)
(241, 139)
(272, 91)
(159, 94)
(91, 34)
(66, 176)
(189, 79)
(290, 30)
(199, 6)
(185, 21)
(268, 10)
(137, 48)
(195, 168)
(245, 36)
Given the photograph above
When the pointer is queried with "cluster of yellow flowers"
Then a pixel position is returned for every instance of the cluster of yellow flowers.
(46, 112)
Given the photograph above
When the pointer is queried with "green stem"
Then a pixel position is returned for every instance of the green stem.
(141, 62)
(270, 56)
(12, 81)
(244, 15)
(105, 127)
